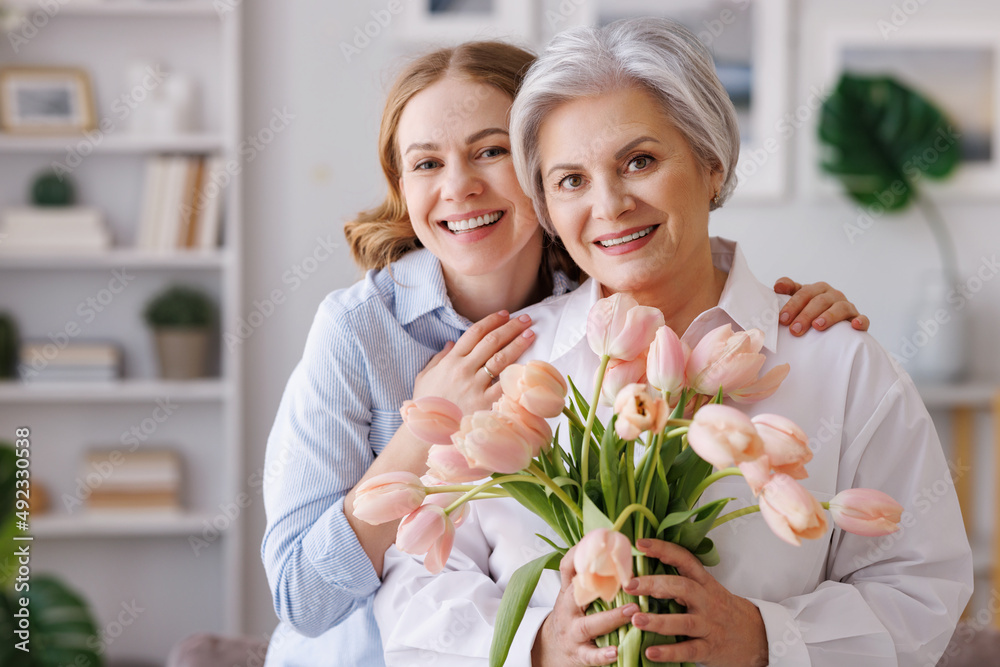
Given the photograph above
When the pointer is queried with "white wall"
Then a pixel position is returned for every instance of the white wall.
(324, 167)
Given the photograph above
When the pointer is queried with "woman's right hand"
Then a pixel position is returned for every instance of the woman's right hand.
(567, 636)
(457, 372)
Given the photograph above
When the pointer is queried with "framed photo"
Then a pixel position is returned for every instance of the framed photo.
(452, 21)
(45, 100)
(956, 65)
(749, 40)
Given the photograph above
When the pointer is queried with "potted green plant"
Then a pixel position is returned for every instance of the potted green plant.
(60, 623)
(182, 319)
(8, 346)
(882, 139)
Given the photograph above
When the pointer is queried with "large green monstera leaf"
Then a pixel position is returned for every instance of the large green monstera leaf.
(881, 137)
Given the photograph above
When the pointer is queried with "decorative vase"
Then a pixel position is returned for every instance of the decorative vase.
(182, 352)
(936, 348)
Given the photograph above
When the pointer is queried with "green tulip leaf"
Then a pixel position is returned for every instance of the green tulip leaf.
(594, 517)
(691, 533)
(611, 446)
(881, 136)
(514, 602)
(654, 639)
(707, 553)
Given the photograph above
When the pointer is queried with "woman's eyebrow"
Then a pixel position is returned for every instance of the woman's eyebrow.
(471, 139)
(623, 151)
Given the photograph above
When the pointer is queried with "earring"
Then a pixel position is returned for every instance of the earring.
(715, 199)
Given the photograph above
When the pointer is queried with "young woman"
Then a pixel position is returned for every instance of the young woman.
(451, 252)
(626, 139)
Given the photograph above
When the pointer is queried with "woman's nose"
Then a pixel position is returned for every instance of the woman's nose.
(611, 199)
(461, 182)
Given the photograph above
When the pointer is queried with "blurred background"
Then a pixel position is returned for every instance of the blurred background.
(188, 165)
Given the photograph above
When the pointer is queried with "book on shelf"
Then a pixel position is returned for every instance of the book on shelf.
(143, 480)
(74, 362)
(53, 229)
(181, 203)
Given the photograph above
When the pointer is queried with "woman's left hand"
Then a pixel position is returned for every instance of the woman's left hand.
(816, 305)
(722, 629)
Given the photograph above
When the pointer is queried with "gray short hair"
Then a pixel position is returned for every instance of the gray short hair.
(658, 55)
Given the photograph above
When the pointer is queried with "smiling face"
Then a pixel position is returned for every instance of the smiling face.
(631, 201)
(458, 181)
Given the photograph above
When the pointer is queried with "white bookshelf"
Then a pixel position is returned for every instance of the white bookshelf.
(115, 558)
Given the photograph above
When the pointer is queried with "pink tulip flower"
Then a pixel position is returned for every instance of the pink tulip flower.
(757, 473)
(427, 531)
(792, 513)
(724, 436)
(763, 387)
(448, 464)
(603, 563)
(785, 444)
(432, 419)
(388, 497)
(491, 441)
(443, 500)
(866, 512)
(638, 410)
(619, 374)
(725, 359)
(620, 328)
(537, 386)
(536, 431)
(666, 361)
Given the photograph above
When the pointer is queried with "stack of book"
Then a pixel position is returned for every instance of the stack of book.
(144, 480)
(53, 228)
(85, 362)
(181, 203)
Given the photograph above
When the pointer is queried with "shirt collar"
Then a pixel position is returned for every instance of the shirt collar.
(420, 288)
(745, 302)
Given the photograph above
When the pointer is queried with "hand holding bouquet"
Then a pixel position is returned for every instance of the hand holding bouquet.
(639, 476)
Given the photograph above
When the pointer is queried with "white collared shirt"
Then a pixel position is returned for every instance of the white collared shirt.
(839, 600)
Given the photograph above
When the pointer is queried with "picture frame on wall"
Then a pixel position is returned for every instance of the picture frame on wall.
(749, 40)
(955, 65)
(452, 21)
(46, 100)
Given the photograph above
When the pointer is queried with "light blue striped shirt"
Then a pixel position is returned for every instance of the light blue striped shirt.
(339, 410)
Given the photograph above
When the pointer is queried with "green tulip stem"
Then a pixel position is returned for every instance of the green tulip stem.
(735, 515)
(709, 481)
(630, 469)
(591, 415)
(474, 491)
(949, 256)
(634, 507)
(556, 489)
(572, 416)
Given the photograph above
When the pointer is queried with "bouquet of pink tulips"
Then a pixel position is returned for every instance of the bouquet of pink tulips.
(595, 492)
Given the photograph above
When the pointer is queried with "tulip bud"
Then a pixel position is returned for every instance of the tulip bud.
(432, 419)
(490, 441)
(666, 361)
(428, 531)
(618, 327)
(537, 386)
(536, 431)
(785, 444)
(725, 359)
(639, 411)
(446, 463)
(724, 436)
(603, 564)
(388, 497)
(620, 374)
(866, 512)
(791, 512)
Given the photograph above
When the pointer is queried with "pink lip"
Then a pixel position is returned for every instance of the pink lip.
(618, 235)
(456, 217)
(623, 248)
(476, 234)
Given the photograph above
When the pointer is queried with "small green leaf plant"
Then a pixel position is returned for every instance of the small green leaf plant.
(180, 306)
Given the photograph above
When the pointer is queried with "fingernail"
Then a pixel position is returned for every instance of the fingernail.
(632, 585)
(528, 333)
(644, 543)
(610, 653)
(640, 620)
(797, 328)
(525, 318)
(503, 313)
(785, 317)
(820, 322)
(629, 609)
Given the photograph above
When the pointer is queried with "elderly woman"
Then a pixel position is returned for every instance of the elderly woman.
(625, 139)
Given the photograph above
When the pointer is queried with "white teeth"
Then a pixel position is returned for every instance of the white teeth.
(625, 239)
(474, 223)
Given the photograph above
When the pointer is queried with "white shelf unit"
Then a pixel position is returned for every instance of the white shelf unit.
(140, 558)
